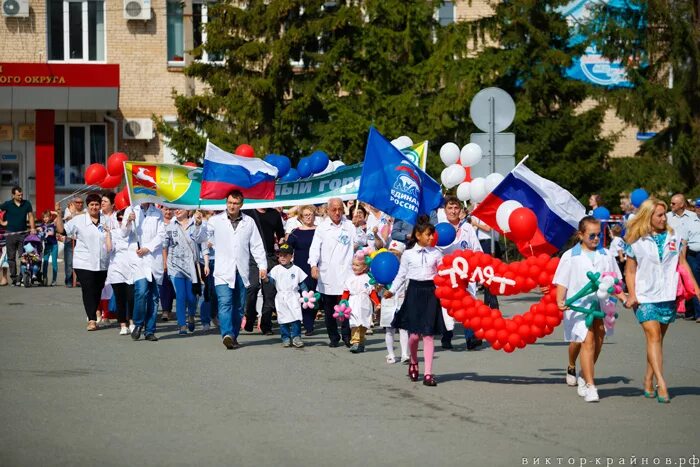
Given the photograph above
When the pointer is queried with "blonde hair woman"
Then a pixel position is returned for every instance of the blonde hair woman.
(654, 253)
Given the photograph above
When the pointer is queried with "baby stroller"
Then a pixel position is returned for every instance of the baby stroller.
(30, 261)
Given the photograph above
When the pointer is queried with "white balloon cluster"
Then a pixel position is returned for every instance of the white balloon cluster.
(454, 175)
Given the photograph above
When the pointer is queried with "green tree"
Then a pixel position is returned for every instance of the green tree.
(659, 42)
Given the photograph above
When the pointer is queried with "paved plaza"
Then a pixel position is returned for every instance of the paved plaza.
(74, 398)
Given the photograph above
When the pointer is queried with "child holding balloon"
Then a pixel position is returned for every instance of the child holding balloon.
(570, 278)
(389, 307)
(359, 295)
(420, 313)
(288, 279)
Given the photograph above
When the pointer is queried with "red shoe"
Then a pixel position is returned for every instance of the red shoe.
(428, 380)
(413, 371)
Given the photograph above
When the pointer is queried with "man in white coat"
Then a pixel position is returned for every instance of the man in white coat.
(330, 258)
(236, 239)
(147, 222)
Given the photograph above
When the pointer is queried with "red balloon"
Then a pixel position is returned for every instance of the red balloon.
(111, 181)
(508, 347)
(95, 174)
(459, 315)
(189, 164)
(125, 192)
(115, 163)
(514, 339)
(524, 330)
(245, 150)
(490, 335)
(496, 345)
(502, 335)
(523, 224)
(120, 201)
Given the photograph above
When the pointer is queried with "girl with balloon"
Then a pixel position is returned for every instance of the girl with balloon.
(390, 306)
(570, 278)
(359, 295)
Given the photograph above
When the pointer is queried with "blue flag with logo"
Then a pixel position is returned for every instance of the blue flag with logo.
(392, 184)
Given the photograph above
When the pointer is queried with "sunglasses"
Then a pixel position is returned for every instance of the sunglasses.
(592, 237)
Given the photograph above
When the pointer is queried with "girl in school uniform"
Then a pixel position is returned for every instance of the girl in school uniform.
(569, 278)
(654, 253)
(420, 313)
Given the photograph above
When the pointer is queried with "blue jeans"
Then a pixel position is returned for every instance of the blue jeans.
(52, 252)
(231, 303)
(145, 304)
(68, 261)
(694, 263)
(290, 330)
(185, 300)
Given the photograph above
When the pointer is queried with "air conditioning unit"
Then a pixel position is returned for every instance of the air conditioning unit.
(15, 8)
(138, 128)
(137, 9)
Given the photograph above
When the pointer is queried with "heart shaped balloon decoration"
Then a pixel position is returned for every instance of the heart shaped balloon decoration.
(461, 267)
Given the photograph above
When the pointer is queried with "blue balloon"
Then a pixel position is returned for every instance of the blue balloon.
(638, 196)
(384, 267)
(601, 213)
(446, 233)
(319, 161)
(305, 167)
(291, 176)
(282, 163)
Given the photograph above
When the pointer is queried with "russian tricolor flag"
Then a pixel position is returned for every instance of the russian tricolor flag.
(223, 172)
(558, 212)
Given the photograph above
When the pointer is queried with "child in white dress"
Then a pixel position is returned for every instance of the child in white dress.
(288, 279)
(360, 296)
(389, 307)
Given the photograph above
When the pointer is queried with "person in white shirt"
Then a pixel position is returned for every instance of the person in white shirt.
(74, 208)
(330, 258)
(236, 239)
(288, 279)
(654, 253)
(687, 224)
(147, 224)
(378, 226)
(120, 275)
(420, 312)
(91, 257)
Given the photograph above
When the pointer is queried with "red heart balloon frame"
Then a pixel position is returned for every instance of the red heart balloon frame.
(461, 267)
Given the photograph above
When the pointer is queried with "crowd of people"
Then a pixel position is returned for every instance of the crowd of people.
(238, 267)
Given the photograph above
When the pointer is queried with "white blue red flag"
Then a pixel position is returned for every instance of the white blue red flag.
(223, 172)
(558, 212)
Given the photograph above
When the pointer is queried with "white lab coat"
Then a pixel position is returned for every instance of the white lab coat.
(234, 248)
(150, 233)
(287, 298)
(360, 304)
(571, 273)
(656, 281)
(90, 252)
(331, 251)
(123, 258)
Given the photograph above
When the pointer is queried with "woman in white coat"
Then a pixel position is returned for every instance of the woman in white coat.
(654, 253)
(122, 267)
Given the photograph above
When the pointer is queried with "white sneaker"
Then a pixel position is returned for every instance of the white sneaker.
(131, 328)
(124, 331)
(206, 327)
(571, 377)
(581, 387)
(591, 394)
(391, 359)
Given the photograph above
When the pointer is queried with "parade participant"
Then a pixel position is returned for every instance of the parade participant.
(654, 253)
(687, 225)
(288, 279)
(208, 308)
(271, 229)
(90, 257)
(330, 258)
(182, 264)
(378, 227)
(146, 221)
(121, 271)
(107, 208)
(389, 307)
(360, 296)
(358, 216)
(465, 239)
(236, 239)
(74, 208)
(300, 240)
(420, 312)
(570, 278)
(617, 246)
(48, 234)
(166, 291)
(594, 201)
(18, 213)
(4, 265)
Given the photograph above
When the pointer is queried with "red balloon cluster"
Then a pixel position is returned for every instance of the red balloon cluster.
(505, 334)
(109, 177)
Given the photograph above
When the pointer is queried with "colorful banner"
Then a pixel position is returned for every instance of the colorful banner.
(418, 154)
(178, 186)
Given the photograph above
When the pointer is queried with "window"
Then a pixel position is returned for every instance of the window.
(446, 13)
(176, 38)
(200, 18)
(77, 146)
(76, 30)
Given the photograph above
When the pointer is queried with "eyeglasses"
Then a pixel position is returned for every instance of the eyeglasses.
(592, 237)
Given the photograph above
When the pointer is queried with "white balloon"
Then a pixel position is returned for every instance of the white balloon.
(337, 164)
(402, 142)
(478, 190)
(602, 294)
(503, 213)
(329, 168)
(445, 177)
(449, 154)
(470, 155)
(464, 191)
(457, 175)
(607, 282)
(492, 181)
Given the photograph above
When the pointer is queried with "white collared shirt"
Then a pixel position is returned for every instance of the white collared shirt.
(150, 233)
(417, 264)
(687, 226)
(572, 269)
(90, 252)
(331, 251)
(123, 257)
(234, 248)
(656, 280)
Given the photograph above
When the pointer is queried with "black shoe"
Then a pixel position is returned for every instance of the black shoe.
(689, 318)
(347, 343)
(309, 333)
(136, 333)
(228, 342)
(151, 337)
(333, 345)
(473, 343)
(249, 326)
(236, 345)
(268, 333)
(447, 345)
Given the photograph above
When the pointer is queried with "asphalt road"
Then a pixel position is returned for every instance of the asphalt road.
(75, 398)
